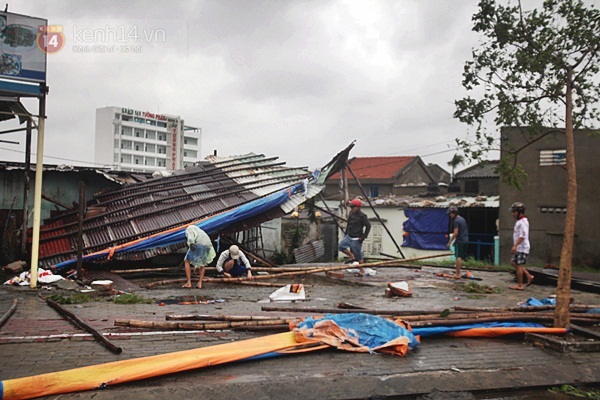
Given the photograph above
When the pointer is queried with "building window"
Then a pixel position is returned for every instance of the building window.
(127, 144)
(374, 191)
(550, 158)
(162, 149)
(161, 124)
(150, 161)
(137, 160)
(162, 137)
(139, 120)
(151, 135)
(471, 186)
(553, 210)
(138, 147)
(150, 148)
(190, 141)
(127, 131)
(125, 118)
(139, 133)
(126, 158)
(161, 163)
(151, 122)
(117, 144)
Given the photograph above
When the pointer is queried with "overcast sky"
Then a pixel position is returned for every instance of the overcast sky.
(296, 79)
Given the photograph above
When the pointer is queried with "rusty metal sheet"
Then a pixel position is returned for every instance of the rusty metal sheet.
(309, 252)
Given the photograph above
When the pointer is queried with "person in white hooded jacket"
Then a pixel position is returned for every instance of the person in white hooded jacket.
(234, 263)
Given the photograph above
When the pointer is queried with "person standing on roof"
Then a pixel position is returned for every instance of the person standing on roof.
(200, 252)
(521, 247)
(357, 230)
(234, 263)
(460, 237)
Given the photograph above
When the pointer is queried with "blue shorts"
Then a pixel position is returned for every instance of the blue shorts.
(519, 258)
(353, 244)
(238, 269)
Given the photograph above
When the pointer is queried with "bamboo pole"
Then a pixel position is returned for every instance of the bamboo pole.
(195, 280)
(325, 269)
(278, 328)
(74, 319)
(301, 271)
(345, 311)
(10, 312)
(172, 325)
(524, 309)
(206, 317)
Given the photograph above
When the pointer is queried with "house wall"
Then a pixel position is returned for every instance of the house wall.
(487, 186)
(414, 175)
(410, 190)
(380, 240)
(332, 189)
(59, 185)
(545, 198)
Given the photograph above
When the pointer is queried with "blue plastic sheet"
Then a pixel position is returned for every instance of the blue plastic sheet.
(370, 330)
(426, 228)
(533, 302)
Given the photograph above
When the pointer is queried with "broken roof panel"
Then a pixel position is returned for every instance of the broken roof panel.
(217, 187)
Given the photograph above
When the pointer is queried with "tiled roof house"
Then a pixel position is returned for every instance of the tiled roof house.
(381, 176)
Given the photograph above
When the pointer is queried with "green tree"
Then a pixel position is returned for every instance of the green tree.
(535, 69)
(457, 159)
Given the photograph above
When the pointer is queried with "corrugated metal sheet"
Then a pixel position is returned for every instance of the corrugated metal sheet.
(158, 204)
(309, 252)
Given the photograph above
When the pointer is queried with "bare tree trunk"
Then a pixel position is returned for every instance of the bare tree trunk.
(563, 288)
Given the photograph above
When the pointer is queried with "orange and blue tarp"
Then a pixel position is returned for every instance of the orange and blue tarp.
(352, 332)
(314, 334)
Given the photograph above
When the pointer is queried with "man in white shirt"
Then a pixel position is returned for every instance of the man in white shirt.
(234, 263)
(521, 247)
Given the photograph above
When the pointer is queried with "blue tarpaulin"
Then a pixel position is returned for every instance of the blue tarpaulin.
(426, 228)
(370, 330)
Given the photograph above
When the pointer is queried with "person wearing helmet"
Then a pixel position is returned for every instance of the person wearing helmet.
(357, 230)
(200, 252)
(234, 263)
(521, 247)
(460, 237)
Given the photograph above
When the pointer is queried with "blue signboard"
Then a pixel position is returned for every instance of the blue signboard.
(22, 47)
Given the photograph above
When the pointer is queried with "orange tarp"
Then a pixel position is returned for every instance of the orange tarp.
(96, 376)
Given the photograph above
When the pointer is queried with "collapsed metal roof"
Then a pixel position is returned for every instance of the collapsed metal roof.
(139, 210)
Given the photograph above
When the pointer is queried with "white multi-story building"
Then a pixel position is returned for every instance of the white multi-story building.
(133, 140)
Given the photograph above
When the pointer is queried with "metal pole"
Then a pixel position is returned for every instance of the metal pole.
(81, 216)
(345, 193)
(375, 211)
(37, 199)
(26, 189)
